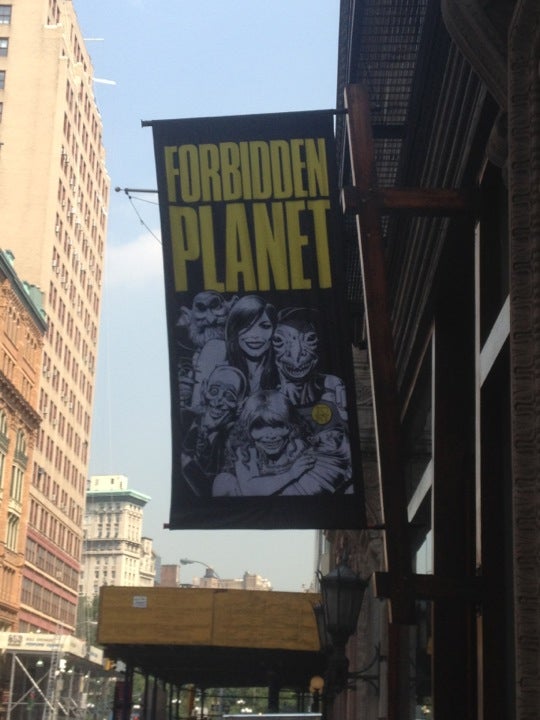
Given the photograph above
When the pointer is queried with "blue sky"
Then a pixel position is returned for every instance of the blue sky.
(184, 58)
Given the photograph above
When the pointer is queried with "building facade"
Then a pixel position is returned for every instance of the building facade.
(249, 581)
(115, 551)
(439, 141)
(22, 329)
(54, 192)
(169, 576)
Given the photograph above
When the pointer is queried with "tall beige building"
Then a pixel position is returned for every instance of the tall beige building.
(115, 551)
(54, 192)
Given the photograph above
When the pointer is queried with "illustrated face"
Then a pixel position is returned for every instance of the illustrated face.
(295, 351)
(209, 310)
(270, 439)
(221, 396)
(254, 341)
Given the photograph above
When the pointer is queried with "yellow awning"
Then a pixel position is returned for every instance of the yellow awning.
(212, 636)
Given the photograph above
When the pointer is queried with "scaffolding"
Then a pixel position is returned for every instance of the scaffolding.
(47, 677)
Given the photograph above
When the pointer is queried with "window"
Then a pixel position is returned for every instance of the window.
(4, 42)
(16, 487)
(2, 79)
(12, 534)
(5, 14)
(4, 444)
(20, 456)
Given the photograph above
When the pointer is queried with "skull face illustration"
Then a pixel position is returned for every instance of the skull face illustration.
(295, 349)
(221, 396)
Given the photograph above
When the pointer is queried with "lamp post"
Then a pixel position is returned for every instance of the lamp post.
(342, 593)
(316, 687)
(86, 630)
(210, 573)
(342, 596)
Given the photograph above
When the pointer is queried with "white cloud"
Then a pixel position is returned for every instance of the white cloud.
(135, 264)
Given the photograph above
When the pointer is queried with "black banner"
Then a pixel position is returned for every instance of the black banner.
(262, 393)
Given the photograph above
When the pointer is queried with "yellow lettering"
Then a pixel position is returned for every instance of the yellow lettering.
(270, 246)
(209, 265)
(296, 242)
(230, 171)
(209, 169)
(281, 169)
(266, 244)
(319, 208)
(261, 176)
(317, 168)
(298, 165)
(171, 171)
(185, 242)
(246, 170)
(238, 255)
(190, 180)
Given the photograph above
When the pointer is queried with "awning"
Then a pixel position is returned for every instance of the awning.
(212, 637)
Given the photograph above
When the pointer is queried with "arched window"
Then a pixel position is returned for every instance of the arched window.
(21, 458)
(3, 423)
(20, 461)
(15, 491)
(21, 443)
(4, 444)
(12, 534)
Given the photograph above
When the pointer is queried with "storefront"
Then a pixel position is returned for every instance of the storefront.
(438, 140)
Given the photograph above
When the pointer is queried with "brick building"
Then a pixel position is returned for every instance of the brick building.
(22, 328)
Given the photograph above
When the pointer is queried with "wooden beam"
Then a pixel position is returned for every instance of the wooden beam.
(380, 346)
(385, 396)
(417, 201)
(429, 587)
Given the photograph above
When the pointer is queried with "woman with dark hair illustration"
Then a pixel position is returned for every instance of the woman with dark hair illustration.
(269, 453)
(248, 333)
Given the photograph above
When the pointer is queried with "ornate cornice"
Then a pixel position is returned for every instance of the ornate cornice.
(9, 393)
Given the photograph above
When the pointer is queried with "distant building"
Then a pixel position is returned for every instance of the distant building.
(22, 327)
(249, 581)
(114, 549)
(147, 569)
(169, 576)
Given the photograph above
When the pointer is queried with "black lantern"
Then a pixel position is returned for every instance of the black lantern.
(337, 616)
(342, 595)
(325, 641)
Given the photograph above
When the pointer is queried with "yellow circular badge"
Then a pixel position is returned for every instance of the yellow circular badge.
(321, 413)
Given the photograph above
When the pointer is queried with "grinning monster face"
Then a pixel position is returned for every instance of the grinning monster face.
(222, 394)
(295, 350)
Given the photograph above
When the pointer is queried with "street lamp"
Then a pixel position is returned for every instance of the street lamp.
(342, 593)
(210, 572)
